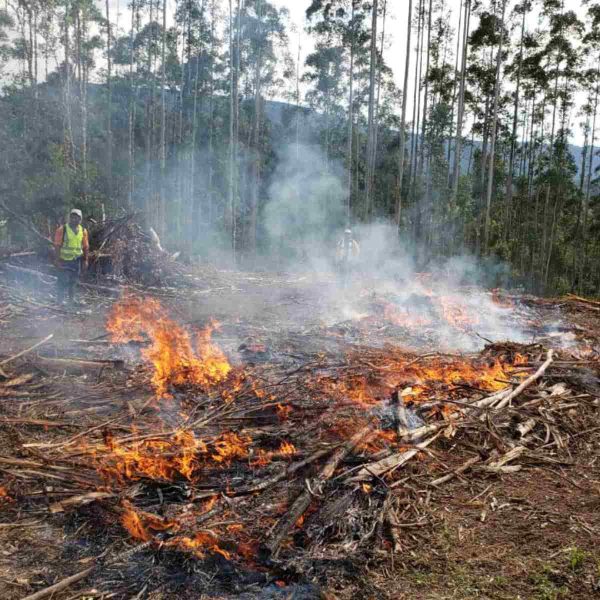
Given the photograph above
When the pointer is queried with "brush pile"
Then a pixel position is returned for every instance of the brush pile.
(123, 249)
(122, 252)
(273, 474)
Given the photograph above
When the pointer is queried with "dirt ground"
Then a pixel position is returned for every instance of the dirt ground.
(532, 534)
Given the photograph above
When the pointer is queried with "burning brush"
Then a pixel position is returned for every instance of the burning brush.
(176, 362)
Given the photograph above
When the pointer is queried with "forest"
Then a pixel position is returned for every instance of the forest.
(206, 116)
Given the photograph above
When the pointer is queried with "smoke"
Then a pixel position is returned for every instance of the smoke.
(444, 303)
(306, 206)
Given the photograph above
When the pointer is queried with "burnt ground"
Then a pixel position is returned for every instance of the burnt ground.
(528, 534)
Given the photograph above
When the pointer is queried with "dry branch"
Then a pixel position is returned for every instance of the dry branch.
(464, 467)
(391, 463)
(531, 379)
(27, 350)
(313, 488)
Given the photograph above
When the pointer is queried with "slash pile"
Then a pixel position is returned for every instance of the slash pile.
(279, 471)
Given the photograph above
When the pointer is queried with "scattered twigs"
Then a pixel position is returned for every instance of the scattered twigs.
(99, 564)
(61, 585)
(267, 483)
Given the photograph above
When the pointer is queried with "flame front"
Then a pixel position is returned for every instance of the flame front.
(171, 353)
(161, 459)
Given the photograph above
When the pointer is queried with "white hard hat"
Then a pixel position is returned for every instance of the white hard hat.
(348, 232)
(77, 212)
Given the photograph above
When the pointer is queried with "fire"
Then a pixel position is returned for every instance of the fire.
(173, 457)
(427, 309)
(264, 457)
(201, 541)
(455, 312)
(417, 381)
(175, 361)
(283, 411)
(394, 315)
(160, 459)
(229, 447)
(140, 524)
(133, 524)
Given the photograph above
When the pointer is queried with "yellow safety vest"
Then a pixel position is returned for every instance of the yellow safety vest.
(72, 247)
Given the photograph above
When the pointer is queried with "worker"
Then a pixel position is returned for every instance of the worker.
(72, 247)
(347, 254)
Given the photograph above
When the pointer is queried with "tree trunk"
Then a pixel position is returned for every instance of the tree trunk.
(403, 118)
(256, 163)
(377, 103)
(490, 181)
(461, 104)
(459, 31)
(132, 96)
(163, 118)
(426, 91)
(109, 141)
(415, 118)
(371, 114)
(586, 200)
(513, 141)
(350, 121)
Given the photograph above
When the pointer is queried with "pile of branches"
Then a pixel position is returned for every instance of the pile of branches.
(350, 487)
(123, 249)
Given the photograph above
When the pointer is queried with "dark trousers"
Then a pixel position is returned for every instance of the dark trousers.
(68, 276)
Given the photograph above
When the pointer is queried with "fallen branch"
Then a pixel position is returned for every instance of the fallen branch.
(25, 223)
(391, 463)
(79, 500)
(464, 467)
(26, 351)
(531, 379)
(313, 488)
(80, 364)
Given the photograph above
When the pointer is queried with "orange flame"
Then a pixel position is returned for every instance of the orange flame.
(264, 457)
(229, 447)
(175, 361)
(139, 524)
(161, 459)
(200, 541)
(416, 380)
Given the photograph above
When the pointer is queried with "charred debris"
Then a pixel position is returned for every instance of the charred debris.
(254, 457)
